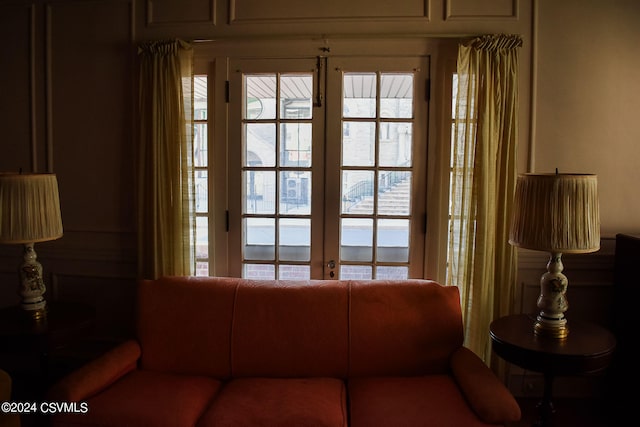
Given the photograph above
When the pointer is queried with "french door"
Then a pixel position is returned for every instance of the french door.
(327, 167)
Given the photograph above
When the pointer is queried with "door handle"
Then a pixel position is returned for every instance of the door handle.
(331, 265)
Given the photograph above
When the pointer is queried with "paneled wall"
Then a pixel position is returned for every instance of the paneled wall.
(67, 107)
(69, 102)
(206, 19)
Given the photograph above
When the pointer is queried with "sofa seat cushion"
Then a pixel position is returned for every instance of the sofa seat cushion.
(432, 400)
(278, 402)
(147, 398)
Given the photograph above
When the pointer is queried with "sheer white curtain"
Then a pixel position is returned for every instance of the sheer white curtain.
(166, 204)
(480, 260)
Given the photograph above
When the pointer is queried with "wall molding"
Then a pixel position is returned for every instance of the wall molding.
(153, 20)
(107, 254)
(322, 13)
(455, 11)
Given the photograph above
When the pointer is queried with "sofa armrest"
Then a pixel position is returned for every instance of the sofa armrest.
(7, 419)
(486, 394)
(97, 374)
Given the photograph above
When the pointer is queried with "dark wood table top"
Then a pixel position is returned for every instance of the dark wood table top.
(588, 347)
(64, 321)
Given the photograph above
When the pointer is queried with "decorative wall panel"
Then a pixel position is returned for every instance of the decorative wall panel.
(160, 12)
(477, 10)
(287, 10)
(91, 107)
(590, 277)
(112, 298)
(16, 116)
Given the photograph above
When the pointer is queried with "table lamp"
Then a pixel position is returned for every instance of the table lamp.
(557, 213)
(30, 213)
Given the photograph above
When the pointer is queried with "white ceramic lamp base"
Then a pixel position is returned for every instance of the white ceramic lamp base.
(552, 301)
(32, 287)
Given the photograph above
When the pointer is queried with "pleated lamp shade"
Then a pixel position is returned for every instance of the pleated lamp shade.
(29, 208)
(556, 213)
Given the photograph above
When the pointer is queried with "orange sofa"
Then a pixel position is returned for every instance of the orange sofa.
(235, 352)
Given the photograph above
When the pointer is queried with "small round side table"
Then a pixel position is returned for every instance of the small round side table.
(24, 340)
(587, 349)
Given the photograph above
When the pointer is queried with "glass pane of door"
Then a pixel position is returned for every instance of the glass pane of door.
(372, 167)
(277, 144)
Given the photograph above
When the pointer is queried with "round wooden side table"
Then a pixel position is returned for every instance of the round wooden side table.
(587, 349)
(26, 343)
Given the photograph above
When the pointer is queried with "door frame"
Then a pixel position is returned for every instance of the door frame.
(212, 58)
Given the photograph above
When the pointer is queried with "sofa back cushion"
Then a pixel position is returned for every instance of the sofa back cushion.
(291, 329)
(408, 327)
(229, 327)
(184, 324)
